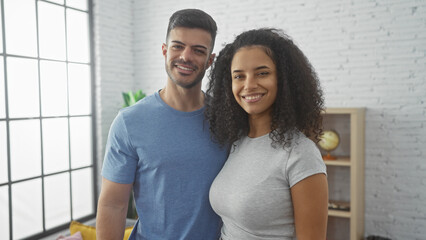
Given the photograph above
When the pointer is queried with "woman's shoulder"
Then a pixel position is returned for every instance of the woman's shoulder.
(298, 140)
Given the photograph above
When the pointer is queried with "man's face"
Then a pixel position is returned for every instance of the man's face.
(187, 55)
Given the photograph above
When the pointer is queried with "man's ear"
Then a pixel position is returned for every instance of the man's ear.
(164, 49)
(211, 59)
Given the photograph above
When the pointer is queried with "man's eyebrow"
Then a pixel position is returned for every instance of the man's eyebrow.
(196, 46)
(178, 42)
(200, 46)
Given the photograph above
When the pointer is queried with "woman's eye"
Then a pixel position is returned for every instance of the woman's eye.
(238, 76)
(263, 73)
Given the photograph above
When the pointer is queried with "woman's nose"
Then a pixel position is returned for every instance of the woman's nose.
(250, 83)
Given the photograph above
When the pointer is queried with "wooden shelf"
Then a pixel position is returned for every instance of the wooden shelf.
(339, 213)
(350, 125)
(343, 110)
(340, 161)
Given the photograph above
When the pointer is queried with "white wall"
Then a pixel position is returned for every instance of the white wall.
(368, 53)
(113, 30)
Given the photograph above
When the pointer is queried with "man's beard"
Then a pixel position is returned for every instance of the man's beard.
(189, 85)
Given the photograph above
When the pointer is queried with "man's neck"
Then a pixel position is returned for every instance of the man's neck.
(182, 99)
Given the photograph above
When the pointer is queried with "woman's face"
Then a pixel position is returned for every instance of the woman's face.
(254, 80)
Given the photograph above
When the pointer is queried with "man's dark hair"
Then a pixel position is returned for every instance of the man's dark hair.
(193, 18)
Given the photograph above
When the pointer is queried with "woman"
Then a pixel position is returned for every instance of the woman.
(266, 103)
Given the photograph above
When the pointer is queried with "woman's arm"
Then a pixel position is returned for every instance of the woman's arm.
(310, 203)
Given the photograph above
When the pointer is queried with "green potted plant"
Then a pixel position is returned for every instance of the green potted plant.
(131, 98)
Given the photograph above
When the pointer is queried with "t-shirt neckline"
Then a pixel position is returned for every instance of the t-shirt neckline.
(174, 111)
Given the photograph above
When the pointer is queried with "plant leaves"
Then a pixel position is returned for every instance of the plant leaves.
(131, 98)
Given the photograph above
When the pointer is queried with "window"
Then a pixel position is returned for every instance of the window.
(47, 149)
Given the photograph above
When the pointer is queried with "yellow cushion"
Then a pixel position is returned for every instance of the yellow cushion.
(89, 232)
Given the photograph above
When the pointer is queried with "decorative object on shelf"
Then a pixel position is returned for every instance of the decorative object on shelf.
(329, 141)
(338, 205)
(373, 237)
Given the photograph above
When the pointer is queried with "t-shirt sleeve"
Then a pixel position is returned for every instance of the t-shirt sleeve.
(121, 159)
(305, 160)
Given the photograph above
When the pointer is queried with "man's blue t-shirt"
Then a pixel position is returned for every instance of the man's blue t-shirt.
(169, 157)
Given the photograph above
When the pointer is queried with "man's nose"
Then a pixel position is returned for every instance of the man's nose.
(186, 55)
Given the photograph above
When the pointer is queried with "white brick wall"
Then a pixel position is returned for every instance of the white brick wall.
(113, 28)
(368, 53)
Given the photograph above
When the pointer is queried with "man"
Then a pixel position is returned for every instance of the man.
(161, 147)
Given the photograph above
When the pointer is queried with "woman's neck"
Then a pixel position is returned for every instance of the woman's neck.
(259, 125)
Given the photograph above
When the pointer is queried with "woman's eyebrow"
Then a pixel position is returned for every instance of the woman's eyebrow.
(261, 67)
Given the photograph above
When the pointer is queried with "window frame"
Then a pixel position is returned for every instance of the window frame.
(9, 183)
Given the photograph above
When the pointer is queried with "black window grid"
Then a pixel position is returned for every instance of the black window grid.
(7, 120)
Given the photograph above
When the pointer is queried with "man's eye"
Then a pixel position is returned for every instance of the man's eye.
(177, 47)
(200, 51)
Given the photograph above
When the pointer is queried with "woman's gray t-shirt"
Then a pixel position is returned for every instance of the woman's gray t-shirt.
(252, 192)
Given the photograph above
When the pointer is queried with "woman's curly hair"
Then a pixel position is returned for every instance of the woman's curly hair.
(299, 101)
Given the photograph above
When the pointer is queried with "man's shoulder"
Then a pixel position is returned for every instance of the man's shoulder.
(143, 106)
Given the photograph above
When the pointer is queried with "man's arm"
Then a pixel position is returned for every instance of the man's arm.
(112, 210)
(310, 202)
